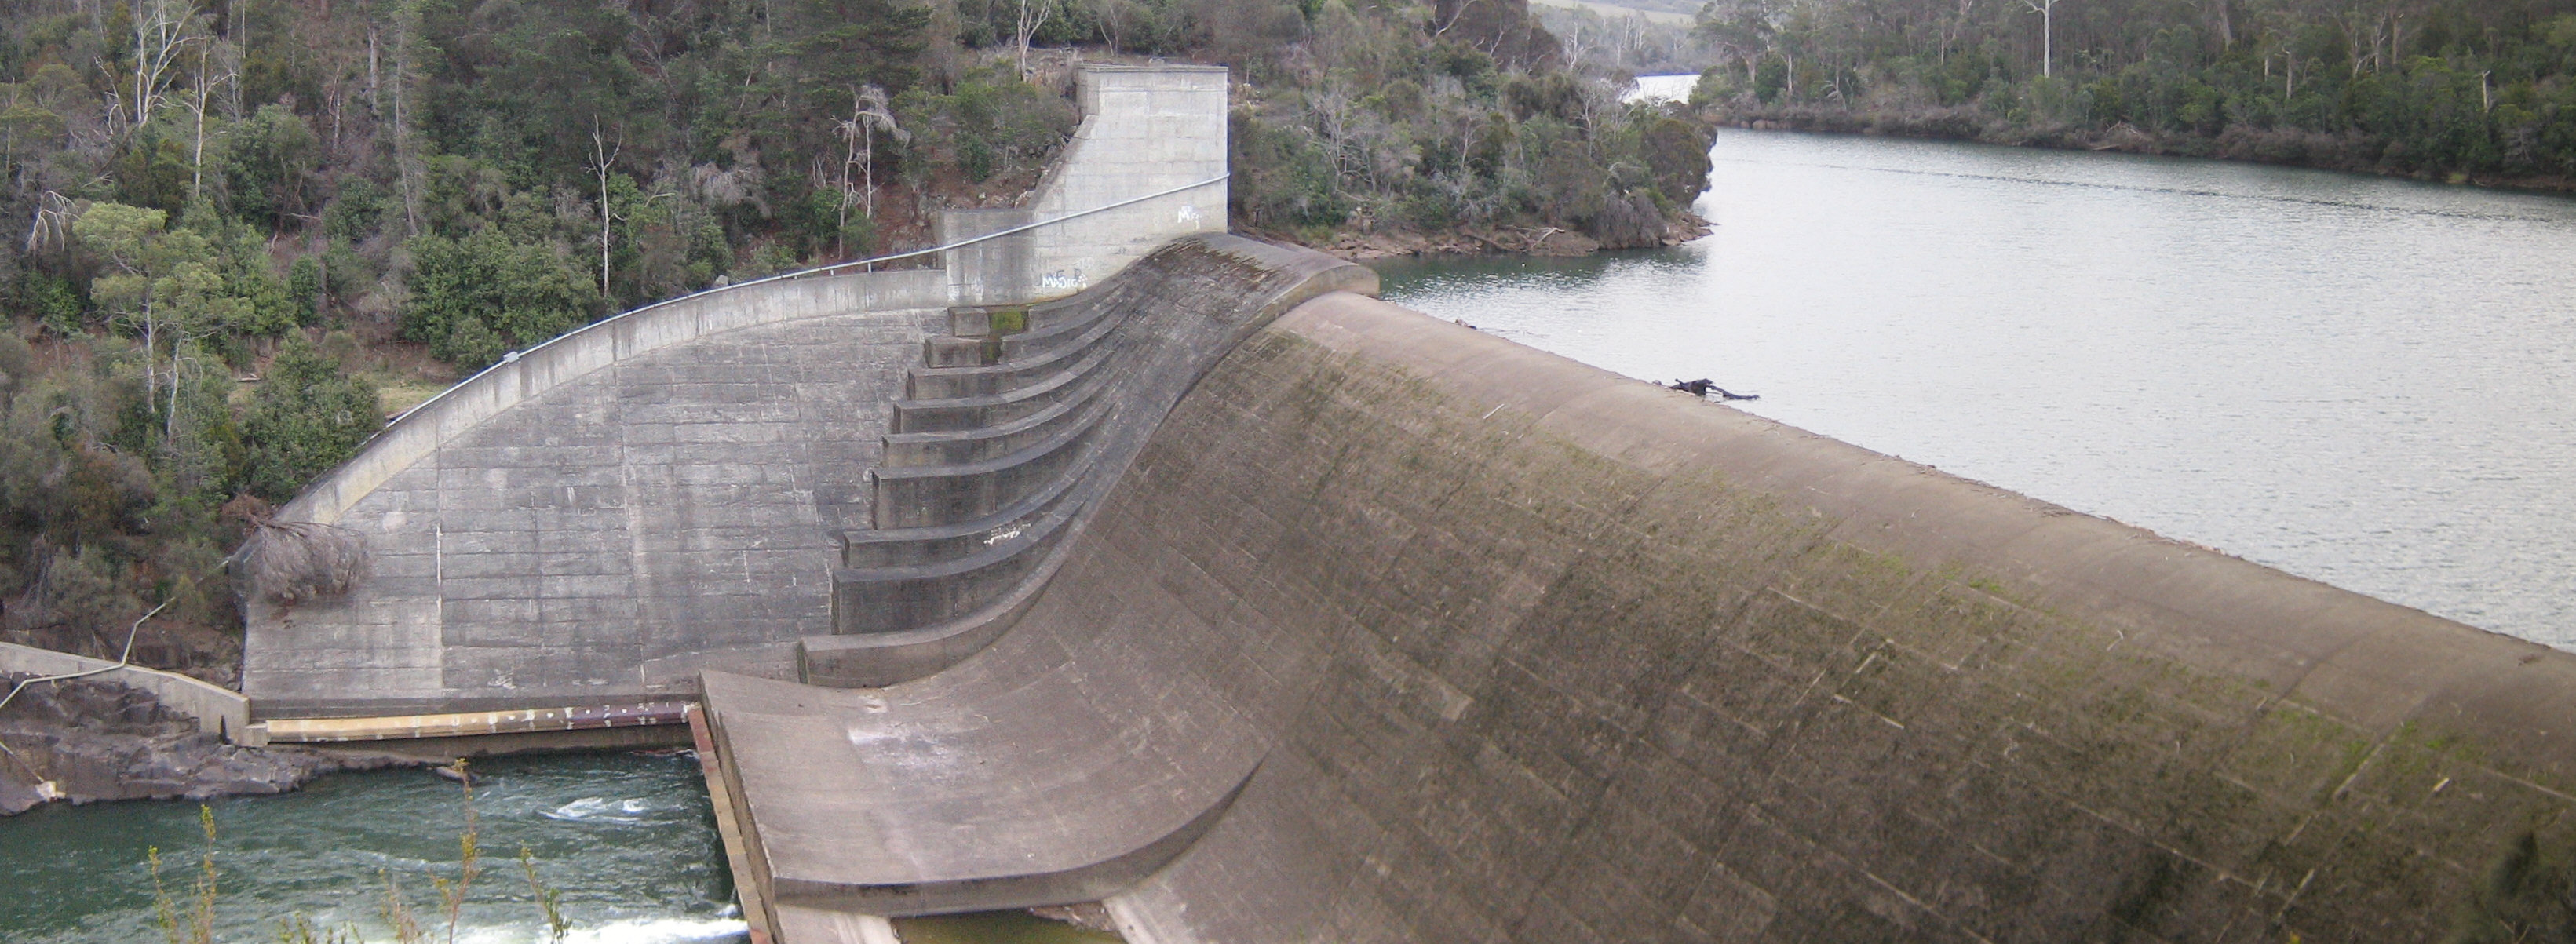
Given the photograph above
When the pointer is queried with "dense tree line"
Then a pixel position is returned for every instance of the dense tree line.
(242, 223)
(1463, 114)
(2437, 88)
(237, 218)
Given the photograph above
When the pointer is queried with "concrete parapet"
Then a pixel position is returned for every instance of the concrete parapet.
(1144, 130)
(219, 711)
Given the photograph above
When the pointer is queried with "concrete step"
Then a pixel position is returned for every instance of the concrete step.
(953, 351)
(953, 447)
(977, 321)
(924, 496)
(1011, 371)
(970, 412)
(895, 599)
(863, 548)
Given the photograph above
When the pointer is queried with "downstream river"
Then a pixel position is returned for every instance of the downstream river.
(627, 840)
(2368, 382)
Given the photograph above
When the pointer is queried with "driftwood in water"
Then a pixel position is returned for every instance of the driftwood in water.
(1703, 387)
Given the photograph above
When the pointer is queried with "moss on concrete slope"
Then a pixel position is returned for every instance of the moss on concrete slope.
(1577, 659)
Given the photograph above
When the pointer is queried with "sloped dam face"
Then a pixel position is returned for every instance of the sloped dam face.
(1341, 623)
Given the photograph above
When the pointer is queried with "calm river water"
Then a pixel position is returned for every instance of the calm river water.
(2368, 382)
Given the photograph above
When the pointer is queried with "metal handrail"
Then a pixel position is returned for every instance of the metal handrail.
(869, 263)
(960, 244)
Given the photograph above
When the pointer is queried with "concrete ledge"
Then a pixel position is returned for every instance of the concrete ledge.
(924, 808)
(218, 710)
(414, 727)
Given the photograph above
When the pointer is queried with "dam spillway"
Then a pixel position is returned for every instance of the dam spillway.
(1351, 624)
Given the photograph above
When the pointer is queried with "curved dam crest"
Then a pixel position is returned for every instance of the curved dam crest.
(1263, 610)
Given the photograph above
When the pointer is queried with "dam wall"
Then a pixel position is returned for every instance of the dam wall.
(1564, 657)
(596, 520)
(600, 518)
(1396, 631)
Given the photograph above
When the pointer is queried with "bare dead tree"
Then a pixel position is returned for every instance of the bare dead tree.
(603, 156)
(2047, 33)
(1451, 21)
(206, 83)
(870, 112)
(52, 228)
(162, 35)
(1033, 16)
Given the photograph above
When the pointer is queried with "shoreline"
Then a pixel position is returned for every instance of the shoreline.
(2272, 147)
(84, 741)
(1535, 241)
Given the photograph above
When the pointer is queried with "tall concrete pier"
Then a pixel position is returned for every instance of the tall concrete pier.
(1262, 610)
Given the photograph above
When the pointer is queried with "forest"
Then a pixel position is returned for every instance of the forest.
(243, 233)
(2457, 90)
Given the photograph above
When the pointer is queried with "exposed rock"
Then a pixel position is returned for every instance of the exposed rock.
(1638, 228)
(1629, 222)
(85, 740)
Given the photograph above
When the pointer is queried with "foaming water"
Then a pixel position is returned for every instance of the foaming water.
(628, 840)
(2359, 380)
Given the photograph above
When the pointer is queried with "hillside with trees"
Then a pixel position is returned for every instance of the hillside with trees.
(244, 232)
(2461, 90)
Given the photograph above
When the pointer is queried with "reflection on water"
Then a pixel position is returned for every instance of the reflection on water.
(2360, 380)
(628, 839)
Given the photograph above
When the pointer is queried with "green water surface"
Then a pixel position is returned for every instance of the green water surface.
(628, 839)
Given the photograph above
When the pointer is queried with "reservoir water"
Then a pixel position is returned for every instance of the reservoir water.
(2365, 381)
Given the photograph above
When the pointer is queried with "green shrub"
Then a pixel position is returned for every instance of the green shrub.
(306, 417)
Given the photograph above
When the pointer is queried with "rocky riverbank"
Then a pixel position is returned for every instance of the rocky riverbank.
(86, 740)
(1392, 243)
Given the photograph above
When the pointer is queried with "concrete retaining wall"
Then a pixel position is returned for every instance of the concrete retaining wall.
(219, 711)
(1532, 652)
(609, 513)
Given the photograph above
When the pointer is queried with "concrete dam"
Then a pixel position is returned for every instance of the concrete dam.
(1124, 560)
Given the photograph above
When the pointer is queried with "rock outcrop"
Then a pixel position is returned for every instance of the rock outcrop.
(86, 740)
